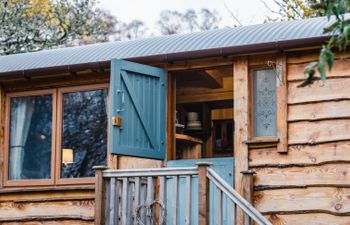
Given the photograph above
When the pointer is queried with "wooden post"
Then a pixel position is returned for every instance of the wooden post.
(100, 195)
(248, 185)
(171, 108)
(241, 115)
(203, 193)
(2, 132)
(282, 106)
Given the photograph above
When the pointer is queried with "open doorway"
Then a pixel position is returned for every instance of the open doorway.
(205, 129)
(204, 113)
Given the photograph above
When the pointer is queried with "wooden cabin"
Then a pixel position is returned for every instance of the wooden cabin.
(223, 104)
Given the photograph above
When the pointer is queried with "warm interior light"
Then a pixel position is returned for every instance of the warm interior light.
(67, 156)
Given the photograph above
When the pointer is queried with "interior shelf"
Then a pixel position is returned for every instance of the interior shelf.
(188, 139)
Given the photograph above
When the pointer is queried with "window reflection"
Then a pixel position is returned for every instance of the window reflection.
(30, 137)
(84, 133)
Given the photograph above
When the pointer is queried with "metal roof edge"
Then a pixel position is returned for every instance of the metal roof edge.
(172, 57)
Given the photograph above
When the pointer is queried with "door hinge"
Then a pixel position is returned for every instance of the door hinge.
(117, 121)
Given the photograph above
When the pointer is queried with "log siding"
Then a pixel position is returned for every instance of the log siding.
(310, 184)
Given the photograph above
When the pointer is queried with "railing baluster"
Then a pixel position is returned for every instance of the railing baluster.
(188, 200)
(144, 197)
(175, 198)
(246, 219)
(137, 197)
(218, 206)
(129, 202)
(149, 198)
(234, 207)
(243, 204)
(162, 194)
(162, 189)
(112, 201)
(125, 201)
(128, 189)
(117, 200)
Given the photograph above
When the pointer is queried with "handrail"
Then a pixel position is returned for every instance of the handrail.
(119, 193)
(236, 198)
(174, 171)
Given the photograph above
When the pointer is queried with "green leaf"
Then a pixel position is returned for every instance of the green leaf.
(330, 59)
(322, 64)
(310, 67)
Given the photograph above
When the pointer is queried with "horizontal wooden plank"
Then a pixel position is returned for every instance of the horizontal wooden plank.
(318, 131)
(332, 89)
(319, 111)
(204, 97)
(83, 210)
(341, 68)
(129, 162)
(315, 199)
(261, 60)
(196, 64)
(48, 189)
(47, 196)
(323, 175)
(58, 81)
(301, 155)
(308, 219)
(304, 57)
(48, 222)
(222, 114)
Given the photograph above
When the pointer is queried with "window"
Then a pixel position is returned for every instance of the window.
(62, 130)
(264, 103)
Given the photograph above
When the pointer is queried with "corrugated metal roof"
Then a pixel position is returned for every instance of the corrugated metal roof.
(223, 38)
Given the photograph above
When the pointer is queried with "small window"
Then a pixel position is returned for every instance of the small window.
(30, 147)
(264, 103)
(84, 132)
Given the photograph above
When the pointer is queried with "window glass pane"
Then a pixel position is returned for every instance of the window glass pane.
(84, 134)
(265, 107)
(30, 137)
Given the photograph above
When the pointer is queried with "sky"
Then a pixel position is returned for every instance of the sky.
(248, 11)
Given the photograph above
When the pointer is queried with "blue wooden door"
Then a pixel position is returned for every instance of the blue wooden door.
(224, 167)
(137, 110)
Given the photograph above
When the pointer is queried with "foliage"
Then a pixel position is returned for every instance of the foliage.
(32, 25)
(339, 29)
(134, 29)
(175, 22)
(290, 10)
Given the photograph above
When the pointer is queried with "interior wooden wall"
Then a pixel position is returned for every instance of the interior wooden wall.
(190, 95)
(310, 184)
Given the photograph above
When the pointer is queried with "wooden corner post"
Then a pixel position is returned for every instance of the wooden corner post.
(282, 105)
(241, 115)
(248, 187)
(100, 195)
(203, 193)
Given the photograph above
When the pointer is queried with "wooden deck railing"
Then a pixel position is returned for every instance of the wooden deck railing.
(142, 196)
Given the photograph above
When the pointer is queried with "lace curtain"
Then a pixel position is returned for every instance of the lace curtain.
(21, 114)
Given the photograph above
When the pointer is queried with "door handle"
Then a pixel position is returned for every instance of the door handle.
(121, 109)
